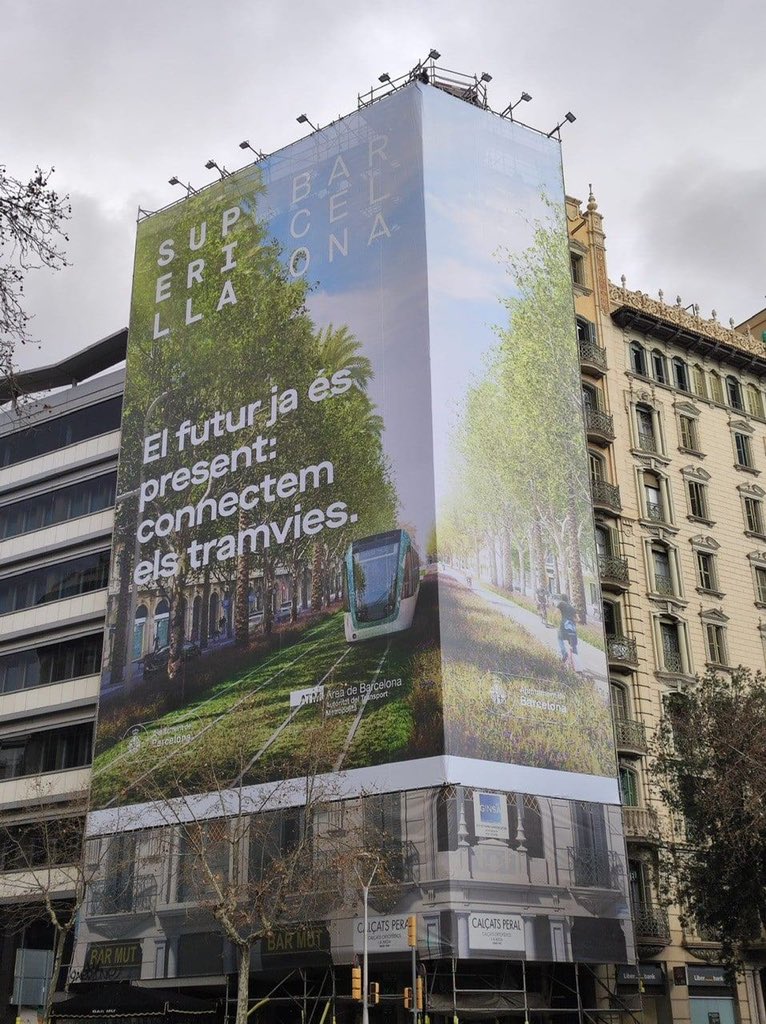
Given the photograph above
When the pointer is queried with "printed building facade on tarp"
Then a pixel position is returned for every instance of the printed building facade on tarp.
(353, 504)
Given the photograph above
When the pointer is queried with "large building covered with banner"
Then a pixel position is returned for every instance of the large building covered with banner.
(355, 689)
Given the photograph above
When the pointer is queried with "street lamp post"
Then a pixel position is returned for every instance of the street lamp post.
(365, 965)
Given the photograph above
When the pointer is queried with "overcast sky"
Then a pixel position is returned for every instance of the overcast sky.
(119, 96)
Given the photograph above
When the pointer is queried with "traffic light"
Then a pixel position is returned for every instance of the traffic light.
(356, 983)
(374, 996)
(412, 931)
(408, 998)
(419, 991)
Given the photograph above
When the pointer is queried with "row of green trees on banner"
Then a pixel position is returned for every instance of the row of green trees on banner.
(234, 356)
(520, 497)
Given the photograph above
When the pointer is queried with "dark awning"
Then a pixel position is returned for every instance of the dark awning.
(118, 1001)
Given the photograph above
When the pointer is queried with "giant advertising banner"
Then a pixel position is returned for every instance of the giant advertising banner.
(353, 490)
(354, 547)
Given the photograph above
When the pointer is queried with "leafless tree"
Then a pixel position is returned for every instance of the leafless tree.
(32, 216)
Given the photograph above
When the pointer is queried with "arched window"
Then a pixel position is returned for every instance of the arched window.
(638, 359)
(161, 625)
(659, 367)
(680, 374)
(716, 388)
(698, 381)
(734, 393)
(139, 628)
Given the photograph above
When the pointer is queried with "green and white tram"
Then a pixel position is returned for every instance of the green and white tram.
(381, 580)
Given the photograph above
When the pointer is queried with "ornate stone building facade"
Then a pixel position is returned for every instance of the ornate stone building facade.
(674, 407)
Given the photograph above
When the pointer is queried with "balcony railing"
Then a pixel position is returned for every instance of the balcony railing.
(595, 869)
(122, 895)
(622, 649)
(592, 356)
(613, 569)
(647, 441)
(671, 660)
(663, 584)
(640, 823)
(630, 734)
(606, 495)
(651, 924)
(600, 425)
(655, 512)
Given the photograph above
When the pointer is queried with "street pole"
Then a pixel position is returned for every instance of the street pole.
(365, 965)
(414, 985)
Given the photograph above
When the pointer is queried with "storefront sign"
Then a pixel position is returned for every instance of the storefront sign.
(707, 976)
(648, 974)
(384, 934)
(496, 931)
(122, 957)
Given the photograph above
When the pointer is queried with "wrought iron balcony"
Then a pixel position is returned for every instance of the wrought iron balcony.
(640, 823)
(630, 734)
(647, 441)
(605, 496)
(655, 512)
(123, 894)
(622, 650)
(599, 426)
(595, 869)
(651, 924)
(613, 571)
(671, 660)
(663, 584)
(592, 358)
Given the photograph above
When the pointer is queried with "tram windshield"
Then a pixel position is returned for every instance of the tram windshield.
(376, 567)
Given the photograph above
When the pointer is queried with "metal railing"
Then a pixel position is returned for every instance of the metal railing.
(592, 354)
(655, 512)
(123, 895)
(622, 648)
(651, 923)
(612, 567)
(596, 869)
(647, 441)
(605, 494)
(671, 659)
(663, 584)
(630, 733)
(598, 422)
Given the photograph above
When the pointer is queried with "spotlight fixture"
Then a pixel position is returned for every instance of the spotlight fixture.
(433, 55)
(221, 170)
(569, 116)
(244, 144)
(485, 77)
(302, 119)
(385, 77)
(177, 181)
(524, 98)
